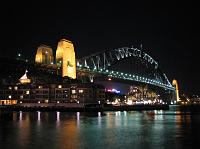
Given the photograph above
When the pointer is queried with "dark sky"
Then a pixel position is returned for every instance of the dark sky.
(167, 31)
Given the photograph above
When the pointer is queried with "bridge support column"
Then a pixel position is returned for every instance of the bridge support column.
(175, 84)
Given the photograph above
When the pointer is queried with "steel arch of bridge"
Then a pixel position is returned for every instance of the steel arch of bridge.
(101, 62)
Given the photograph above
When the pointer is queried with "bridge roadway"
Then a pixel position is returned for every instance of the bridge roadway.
(127, 76)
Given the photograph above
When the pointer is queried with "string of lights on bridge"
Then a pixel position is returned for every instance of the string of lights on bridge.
(127, 76)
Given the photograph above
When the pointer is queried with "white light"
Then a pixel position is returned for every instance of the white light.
(58, 116)
(73, 91)
(129, 102)
(9, 96)
(38, 101)
(80, 91)
(27, 92)
(58, 102)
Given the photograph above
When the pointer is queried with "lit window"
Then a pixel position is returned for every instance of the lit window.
(80, 91)
(21, 97)
(15, 87)
(27, 92)
(59, 86)
(40, 86)
(73, 91)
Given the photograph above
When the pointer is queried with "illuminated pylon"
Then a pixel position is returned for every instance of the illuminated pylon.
(44, 55)
(65, 58)
(175, 83)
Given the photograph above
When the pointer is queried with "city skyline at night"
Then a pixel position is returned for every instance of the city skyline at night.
(166, 31)
(99, 74)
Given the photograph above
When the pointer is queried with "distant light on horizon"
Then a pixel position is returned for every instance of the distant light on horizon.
(113, 90)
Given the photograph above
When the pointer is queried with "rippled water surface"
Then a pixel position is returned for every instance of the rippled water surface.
(107, 130)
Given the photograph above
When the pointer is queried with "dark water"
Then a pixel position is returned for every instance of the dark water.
(107, 130)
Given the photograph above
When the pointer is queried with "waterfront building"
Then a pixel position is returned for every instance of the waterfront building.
(44, 55)
(88, 93)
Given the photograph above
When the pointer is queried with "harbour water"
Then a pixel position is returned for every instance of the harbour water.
(170, 129)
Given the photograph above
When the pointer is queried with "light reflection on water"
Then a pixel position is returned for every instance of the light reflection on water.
(126, 129)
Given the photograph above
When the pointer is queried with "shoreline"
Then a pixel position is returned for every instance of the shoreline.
(85, 109)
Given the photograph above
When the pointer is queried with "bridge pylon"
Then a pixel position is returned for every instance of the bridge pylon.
(65, 58)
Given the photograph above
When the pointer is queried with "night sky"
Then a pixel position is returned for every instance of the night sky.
(167, 31)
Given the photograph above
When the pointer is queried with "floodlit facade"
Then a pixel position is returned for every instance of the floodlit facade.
(44, 55)
(65, 58)
(175, 84)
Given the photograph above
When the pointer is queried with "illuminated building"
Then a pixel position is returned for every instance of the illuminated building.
(44, 55)
(175, 84)
(65, 58)
(24, 79)
(8, 102)
(52, 93)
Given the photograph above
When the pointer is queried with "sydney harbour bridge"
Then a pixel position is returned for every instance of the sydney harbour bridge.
(128, 65)
(142, 67)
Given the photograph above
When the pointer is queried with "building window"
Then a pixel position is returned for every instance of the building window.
(27, 92)
(73, 91)
(15, 87)
(21, 97)
(73, 96)
(80, 91)
(40, 86)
